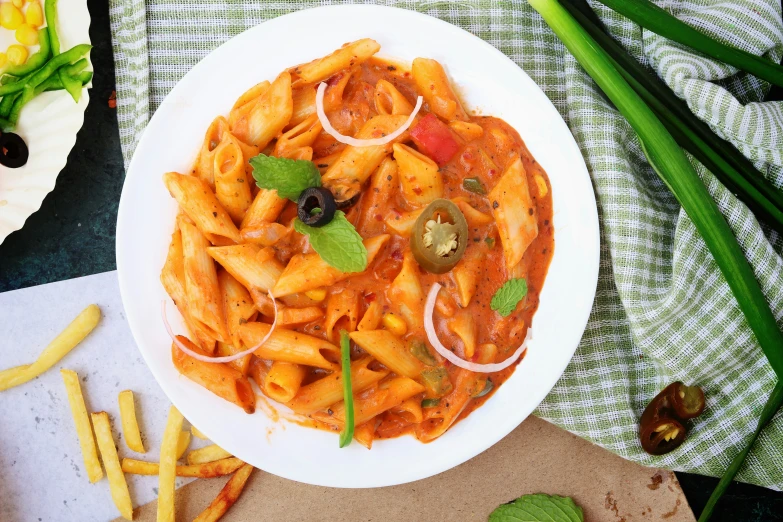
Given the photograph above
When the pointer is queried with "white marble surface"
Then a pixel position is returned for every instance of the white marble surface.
(43, 477)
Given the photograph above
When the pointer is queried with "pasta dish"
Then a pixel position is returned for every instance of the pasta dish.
(356, 243)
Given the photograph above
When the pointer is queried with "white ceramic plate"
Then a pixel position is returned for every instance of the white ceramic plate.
(48, 124)
(490, 83)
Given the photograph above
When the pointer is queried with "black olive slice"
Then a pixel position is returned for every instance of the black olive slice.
(316, 206)
(13, 150)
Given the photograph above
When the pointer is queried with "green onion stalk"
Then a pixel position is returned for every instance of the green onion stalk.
(673, 167)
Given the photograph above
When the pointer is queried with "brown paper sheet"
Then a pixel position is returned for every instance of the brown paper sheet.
(537, 457)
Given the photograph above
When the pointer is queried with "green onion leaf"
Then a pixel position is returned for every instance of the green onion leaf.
(345, 358)
(659, 21)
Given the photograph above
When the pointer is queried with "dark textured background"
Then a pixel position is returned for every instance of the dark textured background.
(72, 235)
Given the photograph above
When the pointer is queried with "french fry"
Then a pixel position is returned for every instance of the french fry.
(227, 496)
(73, 334)
(117, 484)
(167, 472)
(197, 433)
(183, 443)
(83, 427)
(130, 426)
(217, 468)
(207, 454)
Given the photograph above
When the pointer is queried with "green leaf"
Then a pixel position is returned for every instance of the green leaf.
(508, 296)
(289, 177)
(538, 508)
(346, 435)
(338, 243)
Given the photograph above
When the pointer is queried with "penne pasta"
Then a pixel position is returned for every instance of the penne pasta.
(299, 137)
(349, 55)
(365, 433)
(303, 104)
(343, 308)
(390, 351)
(283, 381)
(222, 380)
(201, 205)
(389, 394)
(251, 94)
(401, 223)
(205, 301)
(434, 85)
(475, 218)
(204, 168)
(372, 317)
(410, 410)
(290, 346)
(232, 188)
(289, 315)
(239, 309)
(259, 121)
(173, 279)
(405, 292)
(227, 349)
(466, 275)
(420, 179)
(254, 267)
(464, 326)
(329, 390)
(514, 212)
(356, 164)
(258, 371)
(383, 185)
(388, 100)
(466, 130)
(308, 271)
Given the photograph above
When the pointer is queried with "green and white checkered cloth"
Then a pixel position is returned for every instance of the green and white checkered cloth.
(663, 310)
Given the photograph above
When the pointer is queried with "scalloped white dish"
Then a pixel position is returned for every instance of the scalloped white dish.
(489, 83)
(48, 124)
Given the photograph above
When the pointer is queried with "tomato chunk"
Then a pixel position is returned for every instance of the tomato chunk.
(434, 139)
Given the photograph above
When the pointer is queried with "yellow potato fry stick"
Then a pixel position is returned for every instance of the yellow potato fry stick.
(83, 427)
(57, 349)
(227, 496)
(197, 433)
(217, 468)
(183, 443)
(207, 454)
(130, 427)
(168, 465)
(117, 484)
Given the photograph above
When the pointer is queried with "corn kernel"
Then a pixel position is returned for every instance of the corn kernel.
(17, 54)
(3, 60)
(10, 16)
(394, 324)
(541, 185)
(27, 35)
(319, 294)
(34, 14)
(18, 3)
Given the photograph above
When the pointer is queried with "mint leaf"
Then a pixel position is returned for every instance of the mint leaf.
(538, 508)
(289, 177)
(337, 242)
(508, 296)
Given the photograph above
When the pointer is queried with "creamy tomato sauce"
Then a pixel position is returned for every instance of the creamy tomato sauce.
(485, 158)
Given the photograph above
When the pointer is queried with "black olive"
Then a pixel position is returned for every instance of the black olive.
(316, 198)
(346, 203)
(13, 150)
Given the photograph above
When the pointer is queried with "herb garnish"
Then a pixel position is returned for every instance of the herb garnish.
(338, 243)
(289, 177)
(508, 296)
(538, 508)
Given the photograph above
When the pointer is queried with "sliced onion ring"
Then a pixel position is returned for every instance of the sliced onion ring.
(355, 142)
(429, 327)
(227, 358)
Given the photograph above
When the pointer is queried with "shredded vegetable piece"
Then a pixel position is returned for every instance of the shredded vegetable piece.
(432, 336)
(345, 348)
(355, 142)
(227, 358)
